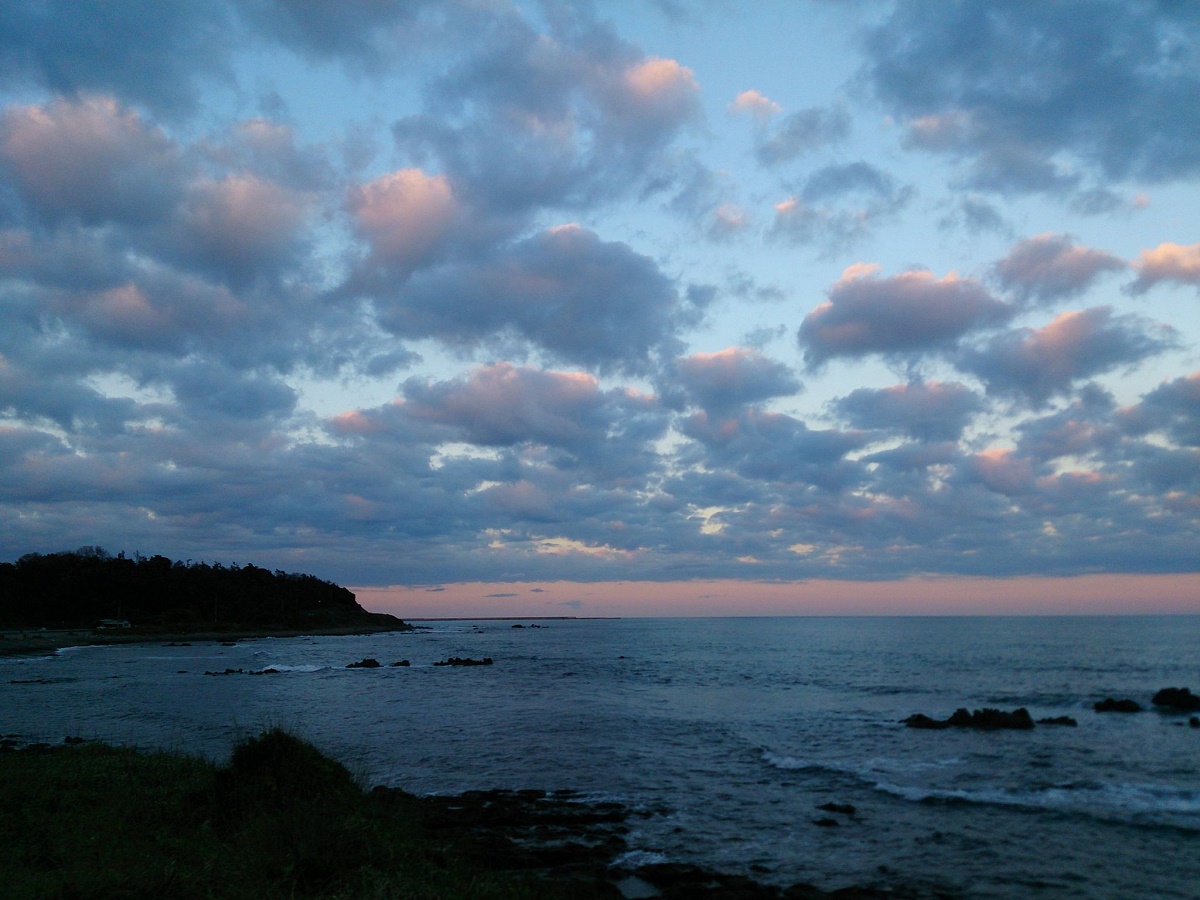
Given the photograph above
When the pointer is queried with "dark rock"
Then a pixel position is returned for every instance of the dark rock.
(459, 661)
(1194, 721)
(518, 626)
(364, 664)
(982, 719)
(846, 809)
(1059, 720)
(228, 643)
(679, 881)
(73, 739)
(1181, 699)
(403, 662)
(1121, 706)
(826, 822)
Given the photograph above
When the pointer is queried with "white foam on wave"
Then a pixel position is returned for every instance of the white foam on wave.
(1090, 798)
(634, 859)
(868, 770)
(308, 668)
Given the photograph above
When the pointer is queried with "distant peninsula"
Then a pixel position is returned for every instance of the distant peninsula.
(108, 598)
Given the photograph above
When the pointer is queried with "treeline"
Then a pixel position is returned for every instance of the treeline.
(82, 587)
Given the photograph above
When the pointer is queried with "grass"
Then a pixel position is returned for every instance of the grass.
(280, 820)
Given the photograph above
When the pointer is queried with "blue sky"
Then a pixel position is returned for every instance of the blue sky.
(422, 293)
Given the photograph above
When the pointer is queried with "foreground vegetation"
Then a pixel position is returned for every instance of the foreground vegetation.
(279, 820)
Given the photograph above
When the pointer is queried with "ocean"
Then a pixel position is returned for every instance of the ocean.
(725, 734)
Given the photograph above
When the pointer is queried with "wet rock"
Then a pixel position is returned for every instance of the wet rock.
(459, 661)
(367, 663)
(1059, 720)
(1122, 706)
(981, 719)
(846, 809)
(518, 626)
(826, 822)
(1181, 699)
(1194, 721)
(403, 663)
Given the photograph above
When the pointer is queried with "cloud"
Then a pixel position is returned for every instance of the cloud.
(1003, 471)
(559, 120)
(501, 404)
(756, 104)
(241, 224)
(367, 37)
(1107, 84)
(801, 133)
(580, 299)
(976, 216)
(1172, 408)
(1167, 262)
(91, 159)
(912, 312)
(839, 205)
(407, 219)
(772, 447)
(1049, 267)
(148, 51)
(1039, 363)
(719, 382)
(927, 411)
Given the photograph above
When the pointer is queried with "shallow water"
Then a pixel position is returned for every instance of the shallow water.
(727, 733)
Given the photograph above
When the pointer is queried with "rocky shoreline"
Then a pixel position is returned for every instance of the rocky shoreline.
(535, 844)
(559, 837)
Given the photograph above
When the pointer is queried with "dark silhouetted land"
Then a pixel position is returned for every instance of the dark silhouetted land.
(89, 596)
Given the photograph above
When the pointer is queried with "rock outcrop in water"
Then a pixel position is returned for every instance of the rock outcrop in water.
(364, 664)
(1122, 706)
(459, 661)
(1181, 699)
(981, 719)
(1068, 721)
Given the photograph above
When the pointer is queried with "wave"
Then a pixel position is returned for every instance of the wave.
(868, 771)
(635, 859)
(1091, 798)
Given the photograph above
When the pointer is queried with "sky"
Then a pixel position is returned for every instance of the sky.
(620, 308)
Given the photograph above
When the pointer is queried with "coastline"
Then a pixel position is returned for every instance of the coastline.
(38, 642)
(283, 819)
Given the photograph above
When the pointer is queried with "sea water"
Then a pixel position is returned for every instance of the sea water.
(724, 735)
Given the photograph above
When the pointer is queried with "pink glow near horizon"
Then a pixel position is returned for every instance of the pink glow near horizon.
(1089, 594)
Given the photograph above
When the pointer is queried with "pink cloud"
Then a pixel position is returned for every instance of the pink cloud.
(503, 403)
(912, 311)
(1051, 266)
(405, 216)
(1167, 262)
(1078, 344)
(758, 105)
(1003, 471)
(242, 220)
(91, 158)
(733, 376)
